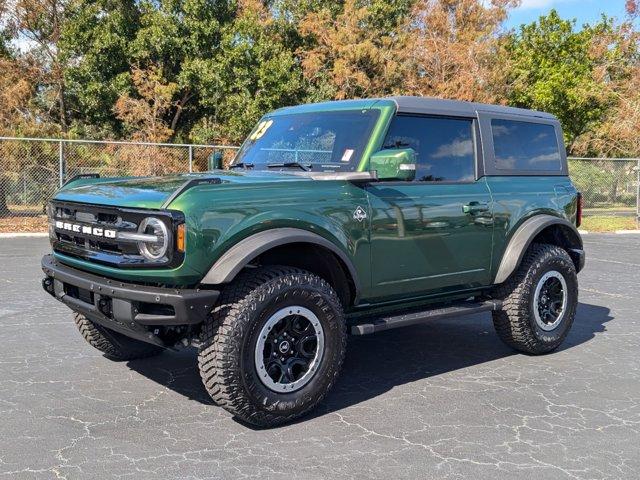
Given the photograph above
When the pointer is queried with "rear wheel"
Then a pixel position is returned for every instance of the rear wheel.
(114, 345)
(539, 301)
(274, 345)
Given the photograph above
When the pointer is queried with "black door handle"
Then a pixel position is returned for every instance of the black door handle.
(475, 207)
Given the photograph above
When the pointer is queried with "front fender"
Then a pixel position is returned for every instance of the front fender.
(242, 253)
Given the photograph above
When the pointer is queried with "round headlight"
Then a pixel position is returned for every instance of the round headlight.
(153, 250)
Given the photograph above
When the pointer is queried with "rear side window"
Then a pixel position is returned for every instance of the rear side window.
(444, 146)
(525, 146)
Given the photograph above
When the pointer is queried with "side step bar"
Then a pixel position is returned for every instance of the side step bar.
(378, 324)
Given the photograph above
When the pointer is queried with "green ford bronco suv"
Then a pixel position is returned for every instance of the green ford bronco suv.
(336, 218)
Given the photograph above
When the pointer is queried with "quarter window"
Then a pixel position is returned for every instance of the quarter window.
(525, 146)
(445, 146)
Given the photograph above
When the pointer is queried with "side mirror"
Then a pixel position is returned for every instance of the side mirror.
(394, 164)
(215, 161)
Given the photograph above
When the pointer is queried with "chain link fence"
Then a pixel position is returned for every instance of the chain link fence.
(609, 186)
(31, 170)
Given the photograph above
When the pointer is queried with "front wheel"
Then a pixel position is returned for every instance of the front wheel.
(539, 301)
(274, 345)
(114, 345)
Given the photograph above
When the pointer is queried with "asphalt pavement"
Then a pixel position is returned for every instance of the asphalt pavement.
(443, 400)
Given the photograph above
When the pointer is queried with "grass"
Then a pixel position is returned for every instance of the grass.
(612, 208)
(607, 223)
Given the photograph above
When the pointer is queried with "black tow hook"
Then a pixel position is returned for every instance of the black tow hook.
(47, 284)
(105, 306)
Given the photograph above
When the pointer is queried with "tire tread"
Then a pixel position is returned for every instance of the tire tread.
(512, 322)
(222, 337)
(95, 336)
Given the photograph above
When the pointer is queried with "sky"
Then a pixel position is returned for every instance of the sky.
(585, 11)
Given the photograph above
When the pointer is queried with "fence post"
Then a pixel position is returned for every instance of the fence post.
(190, 158)
(61, 162)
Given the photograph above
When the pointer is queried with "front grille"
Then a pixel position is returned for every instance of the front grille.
(90, 232)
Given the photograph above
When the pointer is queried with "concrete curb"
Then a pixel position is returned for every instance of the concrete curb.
(23, 234)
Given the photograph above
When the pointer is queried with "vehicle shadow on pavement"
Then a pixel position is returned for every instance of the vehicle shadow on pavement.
(377, 363)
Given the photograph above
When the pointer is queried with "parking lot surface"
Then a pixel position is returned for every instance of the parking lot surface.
(441, 400)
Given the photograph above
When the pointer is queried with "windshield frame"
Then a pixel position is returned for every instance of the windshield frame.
(354, 164)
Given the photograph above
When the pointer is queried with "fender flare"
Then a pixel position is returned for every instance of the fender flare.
(237, 257)
(523, 237)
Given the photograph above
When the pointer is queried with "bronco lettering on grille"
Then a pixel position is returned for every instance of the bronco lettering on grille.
(86, 229)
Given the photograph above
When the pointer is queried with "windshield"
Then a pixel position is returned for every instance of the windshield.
(318, 141)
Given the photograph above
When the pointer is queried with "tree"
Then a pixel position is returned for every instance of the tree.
(105, 38)
(96, 40)
(618, 73)
(18, 116)
(253, 72)
(454, 49)
(40, 22)
(553, 67)
(144, 115)
(355, 53)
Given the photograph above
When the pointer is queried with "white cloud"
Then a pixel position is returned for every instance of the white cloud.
(533, 4)
(526, 4)
(457, 148)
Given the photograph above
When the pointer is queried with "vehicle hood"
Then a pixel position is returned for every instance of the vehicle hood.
(157, 192)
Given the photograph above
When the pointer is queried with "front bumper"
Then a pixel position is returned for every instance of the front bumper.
(132, 309)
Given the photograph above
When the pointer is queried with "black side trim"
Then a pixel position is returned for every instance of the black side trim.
(523, 237)
(237, 257)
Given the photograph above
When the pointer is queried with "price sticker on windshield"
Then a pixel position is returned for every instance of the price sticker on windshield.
(261, 129)
(346, 156)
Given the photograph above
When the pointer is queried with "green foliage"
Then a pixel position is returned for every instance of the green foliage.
(254, 72)
(96, 41)
(552, 70)
(229, 61)
(230, 64)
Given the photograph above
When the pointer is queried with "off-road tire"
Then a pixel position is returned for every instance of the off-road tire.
(114, 345)
(229, 339)
(515, 323)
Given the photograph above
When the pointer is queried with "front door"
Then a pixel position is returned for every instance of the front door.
(433, 234)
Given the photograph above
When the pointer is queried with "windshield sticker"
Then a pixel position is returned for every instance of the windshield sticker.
(261, 129)
(346, 156)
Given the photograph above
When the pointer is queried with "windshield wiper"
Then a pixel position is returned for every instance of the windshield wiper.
(246, 166)
(299, 165)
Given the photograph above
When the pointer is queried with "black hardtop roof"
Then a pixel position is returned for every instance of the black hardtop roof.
(421, 105)
(408, 104)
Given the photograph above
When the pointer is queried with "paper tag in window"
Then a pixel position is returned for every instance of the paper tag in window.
(261, 129)
(346, 156)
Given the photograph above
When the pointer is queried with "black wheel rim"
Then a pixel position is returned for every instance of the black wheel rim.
(289, 349)
(550, 300)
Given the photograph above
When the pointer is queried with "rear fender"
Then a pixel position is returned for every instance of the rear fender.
(527, 232)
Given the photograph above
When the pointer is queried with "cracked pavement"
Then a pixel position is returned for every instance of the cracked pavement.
(443, 400)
